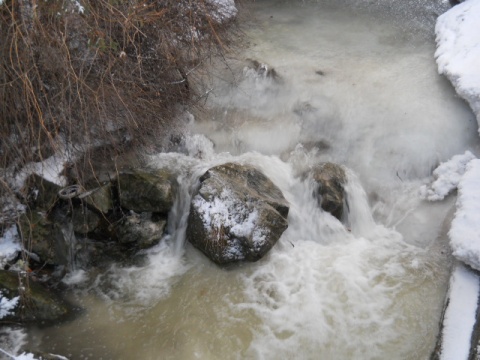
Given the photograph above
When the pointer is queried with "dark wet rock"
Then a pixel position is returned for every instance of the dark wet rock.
(41, 193)
(263, 70)
(35, 302)
(85, 220)
(140, 230)
(36, 232)
(331, 179)
(146, 190)
(237, 214)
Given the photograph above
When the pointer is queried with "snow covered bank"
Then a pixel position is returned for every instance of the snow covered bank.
(447, 176)
(460, 314)
(465, 231)
(458, 50)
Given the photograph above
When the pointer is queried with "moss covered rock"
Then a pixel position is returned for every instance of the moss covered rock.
(35, 303)
(146, 190)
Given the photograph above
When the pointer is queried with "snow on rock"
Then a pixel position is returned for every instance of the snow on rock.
(7, 305)
(447, 176)
(237, 214)
(460, 314)
(225, 10)
(465, 230)
(9, 246)
(458, 50)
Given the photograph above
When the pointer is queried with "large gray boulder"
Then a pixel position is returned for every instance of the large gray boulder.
(237, 214)
(330, 191)
(146, 190)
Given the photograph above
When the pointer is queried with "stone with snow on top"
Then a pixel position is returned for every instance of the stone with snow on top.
(458, 50)
(237, 214)
(465, 230)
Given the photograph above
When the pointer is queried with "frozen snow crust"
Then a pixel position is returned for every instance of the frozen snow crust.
(458, 50)
(465, 230)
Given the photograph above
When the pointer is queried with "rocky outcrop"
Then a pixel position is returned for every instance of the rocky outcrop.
(237, 214)
(330, 192)
(34, 302)
(126, 213)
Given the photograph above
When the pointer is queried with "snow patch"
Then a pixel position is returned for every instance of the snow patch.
(458, 50)
(9, 246)
(460, 314)
(225, 211)
(225, 10)
(465, 230)
(7, 305)
(447, 176)
(79, 7)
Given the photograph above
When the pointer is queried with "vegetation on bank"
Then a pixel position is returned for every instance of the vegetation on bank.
(97, 72)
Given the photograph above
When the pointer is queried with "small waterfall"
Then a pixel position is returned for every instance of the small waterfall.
(358, 217)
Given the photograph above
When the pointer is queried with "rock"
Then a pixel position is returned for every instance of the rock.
(35, 302)
(237, 214)
(54, 241)
(84, 220)
(330, 193)
(263, 70)
(41, 192)
(140, 230)
(36, 231)
(146, 190)
(99, 198)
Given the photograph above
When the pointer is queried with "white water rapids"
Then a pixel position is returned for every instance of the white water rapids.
(354, 89)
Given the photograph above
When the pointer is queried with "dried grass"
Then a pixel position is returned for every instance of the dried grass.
(112, 75)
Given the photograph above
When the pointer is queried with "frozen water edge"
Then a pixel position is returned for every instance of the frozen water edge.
(459, 320)
(465, 230)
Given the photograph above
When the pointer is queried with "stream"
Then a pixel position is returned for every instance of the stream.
(353, 86)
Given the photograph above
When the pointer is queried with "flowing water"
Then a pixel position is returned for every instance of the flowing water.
(357, 89)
